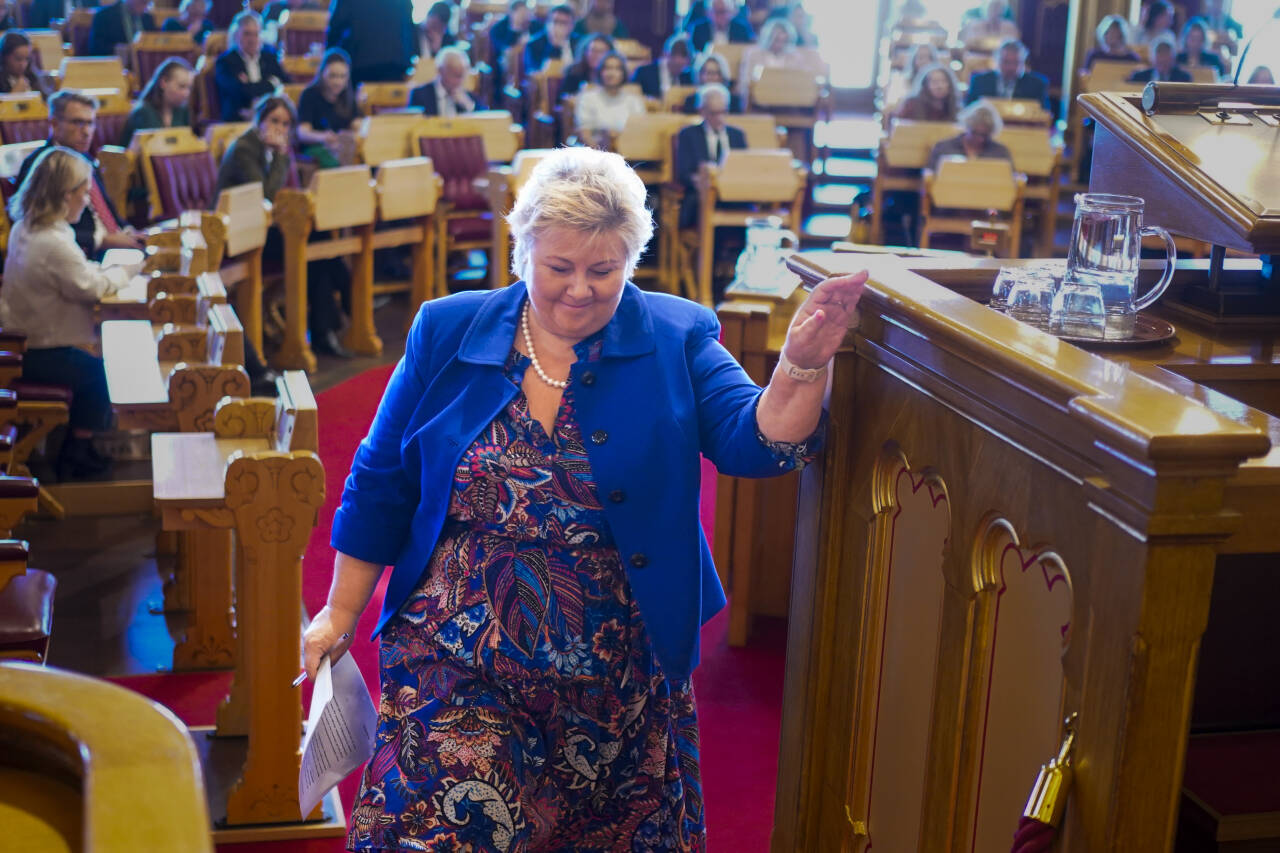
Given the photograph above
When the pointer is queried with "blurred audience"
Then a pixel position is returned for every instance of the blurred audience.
(247, 71)
(378, 35)
(601, 20)
(721, 26)
(553, 42)
(711, 68)
(673, 68)
(1156, 20)
(587, 57)
(439, 29)
(1164, 67)
(446, 95)
(603, 109)
(1113, 43)
(935, 97)
(981, 125)
(1010, 79)
(16, 74)
(164, 102)
(705, 142)
(327, 108)
(1195, 52)
(115, 26)
(993, 26)
(192, 18)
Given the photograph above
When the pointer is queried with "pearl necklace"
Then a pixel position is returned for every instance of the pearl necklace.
(533, 356)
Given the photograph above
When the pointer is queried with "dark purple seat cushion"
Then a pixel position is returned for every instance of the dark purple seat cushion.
(26, 610)
(185, 182)
(40, 392)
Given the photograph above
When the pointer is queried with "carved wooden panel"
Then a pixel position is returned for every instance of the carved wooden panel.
(194, 392)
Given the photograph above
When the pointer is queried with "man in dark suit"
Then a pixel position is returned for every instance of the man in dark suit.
(722, 25)
(673, 68)
(72, 117)
(378, 35)
(553, 43)
(1163, 67)
(705, 142)
(1011, 79)
(446, 95)
(247, 71)
(117, 24)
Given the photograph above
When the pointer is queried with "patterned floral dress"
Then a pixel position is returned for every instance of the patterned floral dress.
(523, 708)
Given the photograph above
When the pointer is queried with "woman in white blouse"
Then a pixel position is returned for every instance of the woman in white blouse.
(603, 109)
(775, 48)
(50, 289)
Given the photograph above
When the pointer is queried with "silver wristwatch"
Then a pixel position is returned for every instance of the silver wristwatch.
(800, 374)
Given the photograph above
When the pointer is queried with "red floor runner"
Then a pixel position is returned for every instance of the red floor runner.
(739, 690)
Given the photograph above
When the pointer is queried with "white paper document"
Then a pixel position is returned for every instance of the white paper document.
(340, 730)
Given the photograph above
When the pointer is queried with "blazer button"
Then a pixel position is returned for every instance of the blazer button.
(599, 437)
(588, 378)
(639, 561)
(617, 496)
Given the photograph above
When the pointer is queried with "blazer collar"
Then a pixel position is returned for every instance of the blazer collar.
(488, 339)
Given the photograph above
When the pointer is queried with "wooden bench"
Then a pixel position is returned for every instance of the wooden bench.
(23, 118)
(387, 136)
(407, 191)
(900, 161)
(339, 199)
(93, 72)
(95, 766)
(257, 465)
(966, 190)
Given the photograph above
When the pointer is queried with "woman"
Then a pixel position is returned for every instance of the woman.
(192, 18)
(541, 624)
(15, 62)
(165, 102)
(604, 108)
(586, 58)
(776, 48)
(1195, 38)
(326, 108)
(49, 294)
(1156, 20)
(710, 68)
(1113, 42)
(936, 97)
(981, 126)
(260, 155)
(923, 55)
(992, 28)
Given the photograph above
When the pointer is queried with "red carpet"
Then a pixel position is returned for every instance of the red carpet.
(739, 690)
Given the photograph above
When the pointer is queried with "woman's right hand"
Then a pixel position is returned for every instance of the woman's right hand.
(330, 632)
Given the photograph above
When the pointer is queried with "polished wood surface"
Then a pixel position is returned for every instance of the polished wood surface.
(1067, 463)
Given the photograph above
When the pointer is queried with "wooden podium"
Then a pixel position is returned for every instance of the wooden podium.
(1004, 529)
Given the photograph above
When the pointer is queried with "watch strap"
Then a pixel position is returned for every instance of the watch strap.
(800, 374)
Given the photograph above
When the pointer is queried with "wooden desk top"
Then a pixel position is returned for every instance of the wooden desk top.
(189, 468)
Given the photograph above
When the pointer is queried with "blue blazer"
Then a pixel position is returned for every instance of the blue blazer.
(663, 393)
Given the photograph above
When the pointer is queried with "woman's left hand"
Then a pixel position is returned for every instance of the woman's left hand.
(819, 326)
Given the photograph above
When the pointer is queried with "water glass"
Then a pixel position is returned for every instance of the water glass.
(1078, 310)
(1030, 300)
(1005, 280)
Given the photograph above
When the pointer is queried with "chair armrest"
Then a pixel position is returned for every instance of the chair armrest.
(18, 487)
(13, 342)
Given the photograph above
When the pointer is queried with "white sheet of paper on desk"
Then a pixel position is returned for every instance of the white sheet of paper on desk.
(340, 730)
(130, 259)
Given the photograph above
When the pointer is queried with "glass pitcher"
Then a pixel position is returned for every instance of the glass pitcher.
(762, 264)
(1105, 240)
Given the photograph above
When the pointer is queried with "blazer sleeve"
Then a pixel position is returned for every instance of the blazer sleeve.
(727, 399)
(737, 139)
(380, 496)
(688, 160)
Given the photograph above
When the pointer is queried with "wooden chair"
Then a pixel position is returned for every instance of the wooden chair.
(965, 190)
(23, 118)
(205, 107)
(93, 766)
(900, 160)
(26, 594)
(78, 23)
(387, 136)
(1021, 112)
(501, 137)
(732, 52)
(258, 462)
(464, 220)
(47, 48)
(301, 68)
(1037, 157)
(148, 50)
(178, 171)
(424, 71)
(301, 28)
(114, 107)
(760, 129)
(93, 72)
(407, 192)
(219, 136)
(375, 98)
(503, 185)
(338, 199)
(636, 52)
(541, 92)
(673, 99)
(770, 181)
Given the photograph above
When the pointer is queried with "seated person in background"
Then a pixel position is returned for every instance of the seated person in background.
(721, 26)
(935, 97)
(117, 24)
(1156, 20)
(800, 19)
(1226, 28)
(981, 125)
(1163, 68)
(603, 109)
(1262, 76)
(705, 142)
(247, 71)
(41, 14)
(1195, 40)
(326, 108)
(193, 18)
(16, 73)
(260, 155)
(50, 292)
(553, 42)
(587, 56)
(165, 102)
(923, 55)
(446, 95)
(72, 118)
(673, 68)
(993, 26)
(776, 48)
(1113, 42)
(510, 31)
(710, 68)
(600, 20)
(1010, 79)
(439, 29)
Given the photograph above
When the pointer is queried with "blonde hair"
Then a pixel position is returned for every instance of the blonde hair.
(42, 198)
(582, 189)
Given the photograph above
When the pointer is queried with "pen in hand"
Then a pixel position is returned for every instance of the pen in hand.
(302, 676)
